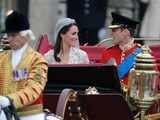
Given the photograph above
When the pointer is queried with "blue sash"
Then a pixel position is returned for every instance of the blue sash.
(127, 63)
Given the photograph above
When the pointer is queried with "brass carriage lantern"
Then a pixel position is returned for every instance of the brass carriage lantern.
(143, 81)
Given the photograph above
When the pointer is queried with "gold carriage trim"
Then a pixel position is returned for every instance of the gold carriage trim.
(124, 87)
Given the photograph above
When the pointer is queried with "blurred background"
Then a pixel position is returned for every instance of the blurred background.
(92, 16)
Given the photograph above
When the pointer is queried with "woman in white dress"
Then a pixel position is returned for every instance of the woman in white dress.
(65, 50)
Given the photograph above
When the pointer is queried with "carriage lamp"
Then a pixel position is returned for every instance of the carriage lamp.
(142, 88)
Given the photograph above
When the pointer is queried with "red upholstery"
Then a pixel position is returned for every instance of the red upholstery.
(94, 52)
(155, 50)
(43, 44)
(75, 65)
(156, 53)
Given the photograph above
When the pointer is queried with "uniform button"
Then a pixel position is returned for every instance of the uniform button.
(123, 54)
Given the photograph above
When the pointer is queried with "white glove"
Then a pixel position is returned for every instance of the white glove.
(52, 116)
(4, 102)
(2, 115)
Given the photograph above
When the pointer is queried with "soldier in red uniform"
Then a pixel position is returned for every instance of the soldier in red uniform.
(124, 50)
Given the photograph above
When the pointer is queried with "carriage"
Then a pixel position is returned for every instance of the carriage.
(93, 91)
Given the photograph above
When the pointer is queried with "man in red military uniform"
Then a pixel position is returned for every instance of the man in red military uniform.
(124, 50)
